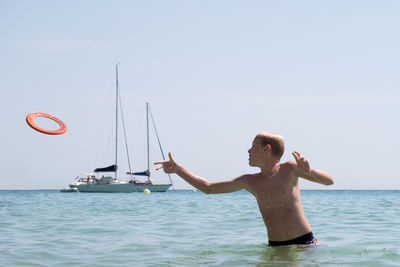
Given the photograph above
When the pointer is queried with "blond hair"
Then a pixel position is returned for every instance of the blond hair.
(276, 142)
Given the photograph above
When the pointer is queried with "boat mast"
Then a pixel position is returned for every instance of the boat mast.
(148, 142)
(116, 119)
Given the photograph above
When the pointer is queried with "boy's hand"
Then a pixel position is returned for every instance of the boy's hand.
(169, 166)
(303, 167)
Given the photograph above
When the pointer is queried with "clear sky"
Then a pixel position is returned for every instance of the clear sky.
(324, 74)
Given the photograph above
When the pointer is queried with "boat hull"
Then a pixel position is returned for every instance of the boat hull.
(69, 190)
(122, 188)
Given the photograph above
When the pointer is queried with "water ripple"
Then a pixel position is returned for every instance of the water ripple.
(48, 228)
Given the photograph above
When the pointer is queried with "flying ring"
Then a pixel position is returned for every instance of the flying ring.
(30, 120)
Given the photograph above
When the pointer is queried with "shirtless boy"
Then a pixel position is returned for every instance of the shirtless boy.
(276, 188)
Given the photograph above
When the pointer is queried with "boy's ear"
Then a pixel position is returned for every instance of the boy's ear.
(267, 148)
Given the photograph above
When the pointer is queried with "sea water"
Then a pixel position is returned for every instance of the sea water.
(186, 228)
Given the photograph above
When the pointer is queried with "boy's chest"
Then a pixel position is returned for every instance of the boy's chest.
(273, 188)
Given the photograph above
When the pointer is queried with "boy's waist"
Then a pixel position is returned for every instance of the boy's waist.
(306, 239)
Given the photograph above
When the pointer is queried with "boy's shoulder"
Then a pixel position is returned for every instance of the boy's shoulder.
(249, 175)
(289, 164)
(288, 168)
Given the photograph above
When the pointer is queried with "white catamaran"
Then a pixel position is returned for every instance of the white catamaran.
(109, 184)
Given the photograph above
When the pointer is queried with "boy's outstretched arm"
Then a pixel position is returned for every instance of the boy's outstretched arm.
(170, 166)
(303, 170)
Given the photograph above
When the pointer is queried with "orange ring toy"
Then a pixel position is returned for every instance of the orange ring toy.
(30, 120)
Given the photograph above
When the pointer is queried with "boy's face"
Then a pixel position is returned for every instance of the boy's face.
(256, 153)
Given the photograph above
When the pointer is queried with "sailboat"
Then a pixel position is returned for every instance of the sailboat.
(109, 184)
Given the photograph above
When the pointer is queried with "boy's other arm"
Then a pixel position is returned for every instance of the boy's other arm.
(170, 166)
(302, 169)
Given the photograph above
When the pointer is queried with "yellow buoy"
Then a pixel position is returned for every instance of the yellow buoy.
(146, 191)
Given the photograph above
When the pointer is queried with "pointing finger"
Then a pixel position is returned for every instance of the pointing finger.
(159, 168)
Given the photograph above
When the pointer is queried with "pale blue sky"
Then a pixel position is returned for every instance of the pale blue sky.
(324, 74)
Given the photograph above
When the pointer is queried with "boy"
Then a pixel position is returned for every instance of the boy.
(276, 188)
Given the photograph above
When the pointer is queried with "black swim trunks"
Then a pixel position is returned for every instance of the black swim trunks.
(307, 239)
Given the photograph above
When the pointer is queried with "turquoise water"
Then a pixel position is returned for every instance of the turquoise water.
(185, 228)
